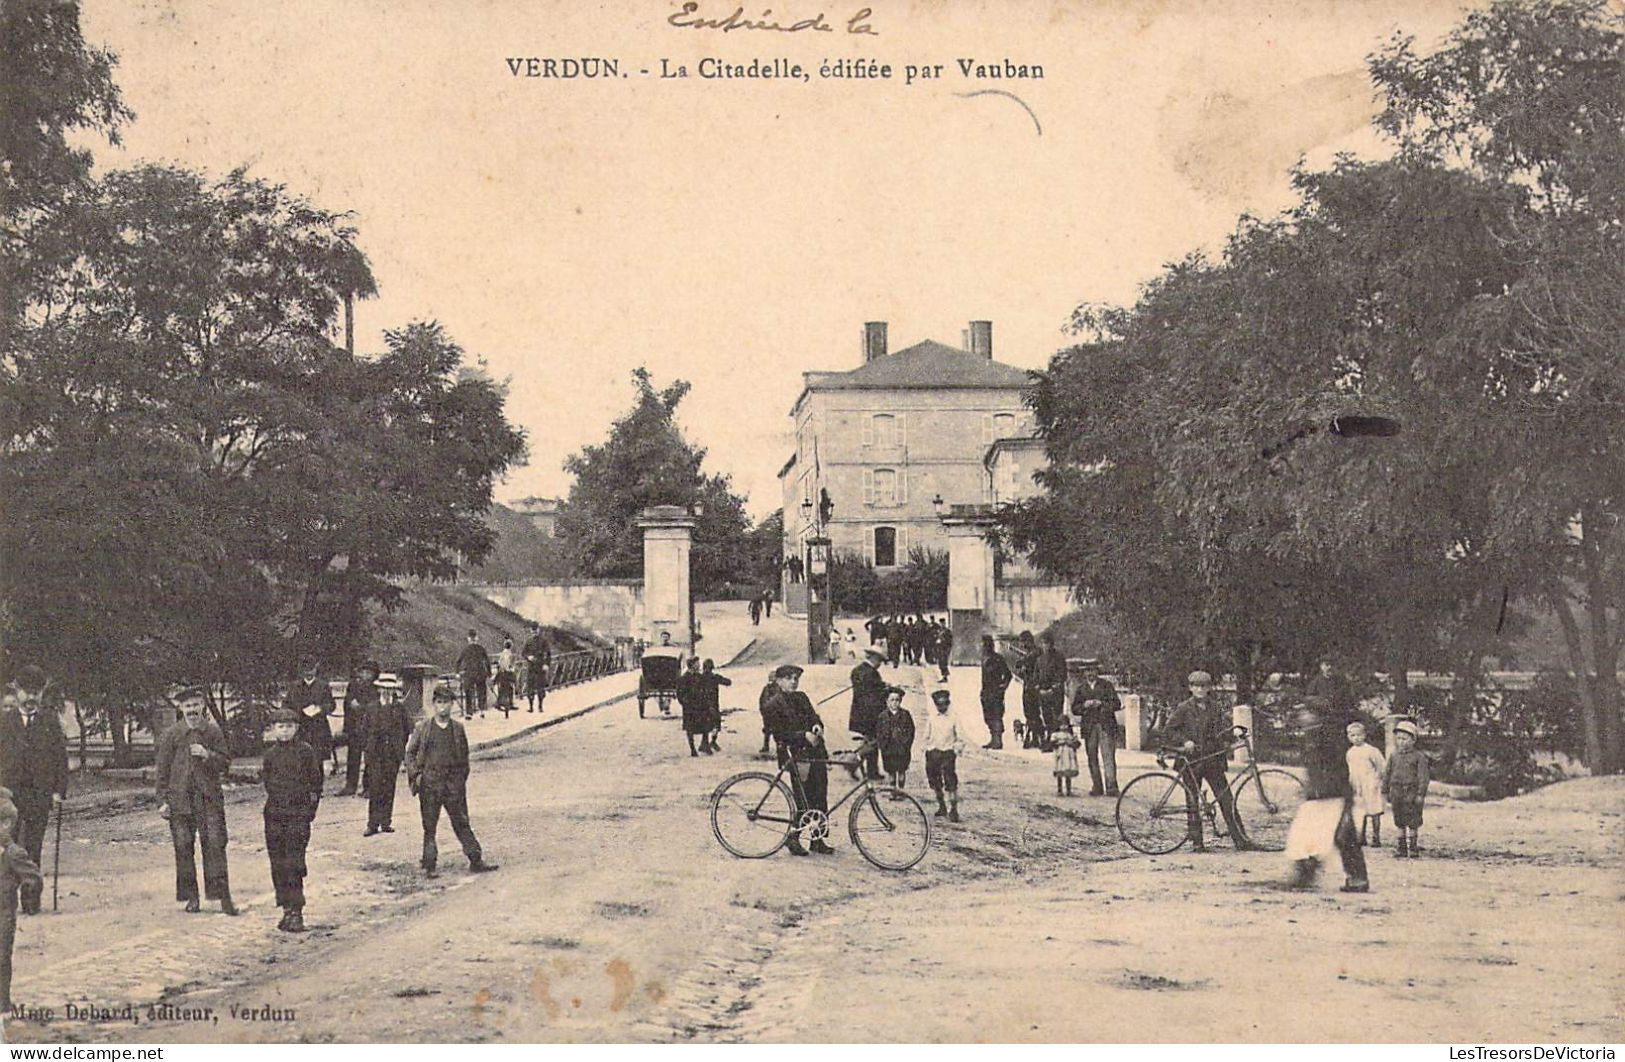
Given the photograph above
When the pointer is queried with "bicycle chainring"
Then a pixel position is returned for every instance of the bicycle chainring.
(814, 826)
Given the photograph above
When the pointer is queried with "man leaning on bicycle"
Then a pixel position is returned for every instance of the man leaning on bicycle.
(1199, 730)
(798, 732)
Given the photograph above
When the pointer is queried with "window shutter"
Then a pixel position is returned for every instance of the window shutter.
(902, 545)
(868, 431)
(868, 486)
(902, 430)
(869, 544)
(902, 486)
(987, 429)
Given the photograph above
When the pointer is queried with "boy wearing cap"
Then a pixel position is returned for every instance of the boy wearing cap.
(437, 771)
(192, 758)
(1201, 728)
(388, 728)
(895, 734)
(1405, 784)
(292, 774)
(311, 701)
(943, 744)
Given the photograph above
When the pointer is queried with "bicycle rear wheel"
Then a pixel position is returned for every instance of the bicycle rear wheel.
(1152, 813)
(890, 828)
(752, 814)
(1267, 804)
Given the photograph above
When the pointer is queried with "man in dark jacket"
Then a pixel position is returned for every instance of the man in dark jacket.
(1201, 728)
(292, 773)
(360, 703)
(995, 681)
(474, 668)
(437, 771)
(34, 766)
(799, 734)
(538, 663)
(944, 648)
(868, 702)
(1049, 674)
(388, 727)
(310, 699)
(1096, 705)
(1026, 669)
(895, 634)
(192, 758)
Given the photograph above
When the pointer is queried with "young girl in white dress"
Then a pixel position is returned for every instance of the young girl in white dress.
(1366, 767)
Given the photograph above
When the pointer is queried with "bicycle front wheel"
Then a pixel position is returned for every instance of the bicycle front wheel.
(752, 814)
(1267, 805)
(1152, 813)
(890, 828)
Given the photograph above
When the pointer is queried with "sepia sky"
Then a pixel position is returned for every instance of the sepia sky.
(739, 232)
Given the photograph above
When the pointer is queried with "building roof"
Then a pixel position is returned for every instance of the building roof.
(927, 365)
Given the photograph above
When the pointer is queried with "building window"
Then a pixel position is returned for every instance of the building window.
(884, 430)
(885, 487)
(885, 547)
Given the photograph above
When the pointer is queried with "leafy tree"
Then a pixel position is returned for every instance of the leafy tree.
(646, 461)
(52, 86)
(239, 487)
(1534, 93)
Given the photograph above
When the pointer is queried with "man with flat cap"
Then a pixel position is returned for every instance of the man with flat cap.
(192, 759)
(799, 733)
(868, 704)
(996, 677)
(1200, 727)
(1096, 705)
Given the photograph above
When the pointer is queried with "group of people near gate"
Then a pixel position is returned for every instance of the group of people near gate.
(913, 640)
(525, 673)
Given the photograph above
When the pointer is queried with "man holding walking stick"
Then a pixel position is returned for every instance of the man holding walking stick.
(34, 766)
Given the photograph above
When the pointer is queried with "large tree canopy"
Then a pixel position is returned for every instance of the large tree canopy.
(1469, 288)
(647, 461)
(198, 482)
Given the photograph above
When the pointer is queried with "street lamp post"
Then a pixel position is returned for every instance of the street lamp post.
(818, 598)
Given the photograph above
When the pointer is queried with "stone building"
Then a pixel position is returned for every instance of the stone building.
(894, 438)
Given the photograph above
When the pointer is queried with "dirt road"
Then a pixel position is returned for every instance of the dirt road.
(616, 916)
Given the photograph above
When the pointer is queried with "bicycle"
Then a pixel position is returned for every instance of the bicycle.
(1152, 810)
(753, 816)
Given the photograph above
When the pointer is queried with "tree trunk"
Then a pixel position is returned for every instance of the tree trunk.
(116, 715)
(1604, 650)
(1590, 711)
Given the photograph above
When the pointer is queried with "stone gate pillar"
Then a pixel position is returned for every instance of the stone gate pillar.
(970, 581)
(668, 600)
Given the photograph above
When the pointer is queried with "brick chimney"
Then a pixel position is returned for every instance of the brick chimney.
(874, 340)
(981, 339)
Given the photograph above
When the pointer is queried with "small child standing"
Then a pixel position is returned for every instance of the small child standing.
(1066, 758)
(943, 743)
(1366, 766)
(292, 774)
(896, 737)
(1405, 783)
(16, 869)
